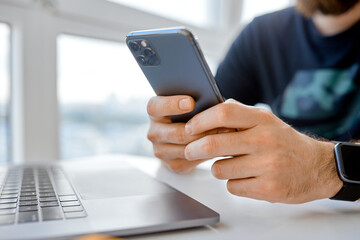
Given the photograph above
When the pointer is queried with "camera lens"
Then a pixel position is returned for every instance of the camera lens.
(148, 52)
(141, 59)
(134, 46)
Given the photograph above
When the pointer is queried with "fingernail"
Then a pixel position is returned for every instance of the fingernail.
(185, 104)
(188, 129)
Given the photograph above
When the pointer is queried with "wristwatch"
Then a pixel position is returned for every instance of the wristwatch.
(347, 157)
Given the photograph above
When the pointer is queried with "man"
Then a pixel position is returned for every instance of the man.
(303, 62)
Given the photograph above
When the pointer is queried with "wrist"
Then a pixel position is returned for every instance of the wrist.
(330, 181)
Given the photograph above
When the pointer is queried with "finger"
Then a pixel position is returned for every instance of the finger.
(160, 119)
(230, 114)
(249, 187)
(167, 151)
(182, 165)
(173, 133)
(160, 106)
(236, 168)
(224, 144)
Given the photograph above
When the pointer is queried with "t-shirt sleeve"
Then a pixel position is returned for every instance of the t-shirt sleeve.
(235, 75)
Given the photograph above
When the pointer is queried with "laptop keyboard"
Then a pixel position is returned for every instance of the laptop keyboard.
(37, 194)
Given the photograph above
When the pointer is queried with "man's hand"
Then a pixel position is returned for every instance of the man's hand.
(269, 160)
(169, 139)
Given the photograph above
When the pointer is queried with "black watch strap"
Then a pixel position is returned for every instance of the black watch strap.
(349, 192)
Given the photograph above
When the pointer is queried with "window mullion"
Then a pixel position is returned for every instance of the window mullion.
(40, 110)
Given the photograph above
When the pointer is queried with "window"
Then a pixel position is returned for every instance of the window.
(102, 95)
(78, 96)
(4, 91)
(201, 13)
(253, 8)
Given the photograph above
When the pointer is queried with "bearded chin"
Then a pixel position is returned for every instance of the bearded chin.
(326, 7)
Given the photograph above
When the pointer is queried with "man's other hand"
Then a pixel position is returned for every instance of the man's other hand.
(170, 139)
(269, 160)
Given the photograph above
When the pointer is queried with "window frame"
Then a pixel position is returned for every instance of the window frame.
(8, 103)
(34, 103)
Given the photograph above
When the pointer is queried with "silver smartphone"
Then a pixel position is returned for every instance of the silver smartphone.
(173, 63)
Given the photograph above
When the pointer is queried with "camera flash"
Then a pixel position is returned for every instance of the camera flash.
(143, 43)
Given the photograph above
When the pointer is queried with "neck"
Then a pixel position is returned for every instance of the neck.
(329, 25)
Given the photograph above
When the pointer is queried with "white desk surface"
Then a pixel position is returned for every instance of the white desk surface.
(242, 218)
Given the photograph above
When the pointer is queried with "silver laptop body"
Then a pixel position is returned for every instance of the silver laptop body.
(70, 199)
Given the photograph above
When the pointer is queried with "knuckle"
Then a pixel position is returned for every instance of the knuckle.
(159, 153)
(266, 115)
(209, 145)
(224, 112)
(177, 135)
(151, 135)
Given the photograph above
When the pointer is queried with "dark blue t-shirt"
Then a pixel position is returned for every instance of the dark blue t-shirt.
(309, 80)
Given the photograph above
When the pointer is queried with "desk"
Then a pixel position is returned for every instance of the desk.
(242, 218)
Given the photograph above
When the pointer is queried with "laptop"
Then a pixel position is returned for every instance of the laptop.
(74, 198)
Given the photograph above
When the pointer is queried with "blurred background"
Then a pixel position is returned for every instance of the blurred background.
(69, 86)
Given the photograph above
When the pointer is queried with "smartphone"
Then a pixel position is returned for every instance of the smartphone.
(173, 63)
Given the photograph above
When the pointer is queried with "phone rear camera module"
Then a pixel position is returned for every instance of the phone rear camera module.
(143, 52)
(142, 60)
(148, 52)
(134, 46)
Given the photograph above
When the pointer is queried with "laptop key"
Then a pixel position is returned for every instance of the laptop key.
(47, 199)
(68, 198)
(7, 211)
(51, 194)
(29, 198)
(51, 213)
(28, 203)
(7, 219)
(7, 205)
(51, 191)
(28, 208)
(9, 191)
(73, 209)
(23, 190)
(6, 196)
(16, 189)
(8, 200)
(25, 217)
(31, 186)
(49, 204)
(28, 194)
(70, 203)
(45, 187)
